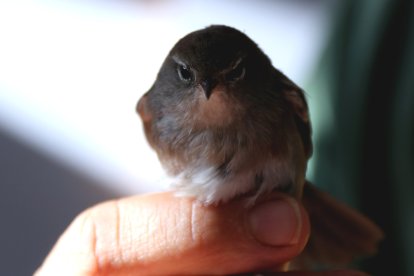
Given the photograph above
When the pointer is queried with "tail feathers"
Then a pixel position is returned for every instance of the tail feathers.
(339, 233)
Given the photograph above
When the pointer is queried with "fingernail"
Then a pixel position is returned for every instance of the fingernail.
(276, 222)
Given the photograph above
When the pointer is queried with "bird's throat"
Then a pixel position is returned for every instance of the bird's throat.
(219, 110)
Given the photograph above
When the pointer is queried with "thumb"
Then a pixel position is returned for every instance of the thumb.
(164, 234)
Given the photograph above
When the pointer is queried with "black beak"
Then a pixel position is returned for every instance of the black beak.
(208, 86)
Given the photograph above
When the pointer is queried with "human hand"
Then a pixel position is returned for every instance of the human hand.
(162, 234)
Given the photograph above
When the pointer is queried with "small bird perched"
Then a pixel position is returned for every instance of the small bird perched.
(226, 124)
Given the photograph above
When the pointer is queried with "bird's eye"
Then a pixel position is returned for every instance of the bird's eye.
(185, 73)
(236, 73)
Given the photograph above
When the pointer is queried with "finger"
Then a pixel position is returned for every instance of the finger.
(164, 234)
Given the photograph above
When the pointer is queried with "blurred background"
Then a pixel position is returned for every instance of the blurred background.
(71, 73)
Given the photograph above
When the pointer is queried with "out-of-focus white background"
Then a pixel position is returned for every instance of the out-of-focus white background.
(71, 73)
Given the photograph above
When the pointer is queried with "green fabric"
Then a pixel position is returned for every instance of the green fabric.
(362, 106)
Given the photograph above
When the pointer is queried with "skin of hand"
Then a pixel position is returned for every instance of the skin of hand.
(161, 234)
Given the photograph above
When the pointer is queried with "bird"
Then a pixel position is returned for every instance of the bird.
(225, 124)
